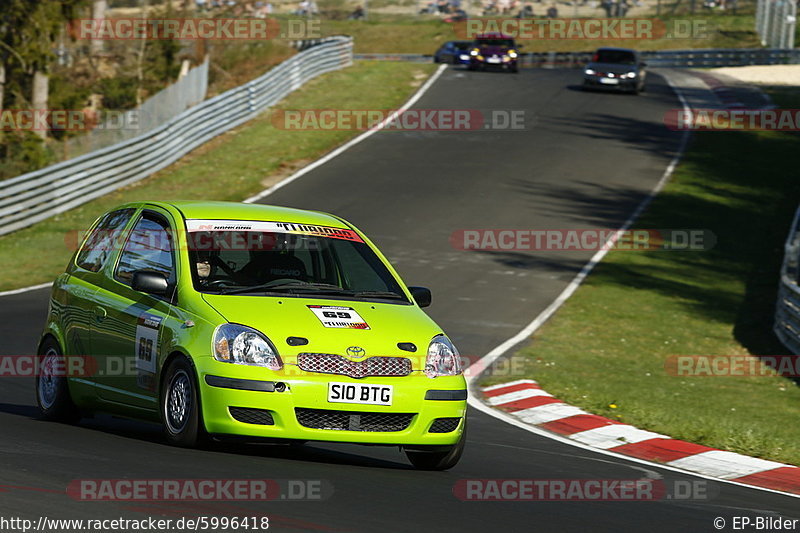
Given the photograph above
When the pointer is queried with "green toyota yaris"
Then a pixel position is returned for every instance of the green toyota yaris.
(225, 319)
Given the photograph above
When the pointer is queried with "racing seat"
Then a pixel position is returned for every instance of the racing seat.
(266, 266)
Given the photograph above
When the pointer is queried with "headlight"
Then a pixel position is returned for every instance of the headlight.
(589, 71)
(443, 358)
(473, 52)
(512, 54)
(480, 57)
(238, 344)
(463, 56)
(630, 75)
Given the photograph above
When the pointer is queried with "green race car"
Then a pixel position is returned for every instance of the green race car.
(224, 319)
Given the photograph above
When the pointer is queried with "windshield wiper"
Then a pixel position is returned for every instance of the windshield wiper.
(292, 287)
(380, 294)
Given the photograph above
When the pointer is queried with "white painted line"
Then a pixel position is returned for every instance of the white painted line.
(614, 435)
(488, 359)
(26, 289)
(726, 465)
(509, 384)
(324, 159)
(548, 413)
(516, 395)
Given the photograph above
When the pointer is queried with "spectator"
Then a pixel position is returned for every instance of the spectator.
(552, 12)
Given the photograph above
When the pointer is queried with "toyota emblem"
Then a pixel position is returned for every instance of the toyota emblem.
(356, 351)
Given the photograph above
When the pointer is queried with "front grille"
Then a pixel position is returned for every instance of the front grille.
(444, 425)
(252, 416)
(326, 363)
(353, 420)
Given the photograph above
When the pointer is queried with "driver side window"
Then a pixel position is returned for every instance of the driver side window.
(149, 247)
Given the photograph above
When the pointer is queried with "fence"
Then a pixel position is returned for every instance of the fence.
(775, 22)
(787, 310)
(155, 111)
(32, 197)
(700, 58)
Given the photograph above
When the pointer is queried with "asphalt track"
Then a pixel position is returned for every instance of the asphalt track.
(585, 160)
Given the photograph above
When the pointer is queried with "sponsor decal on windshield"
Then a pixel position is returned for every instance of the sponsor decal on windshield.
(333, 316)
(196, 225)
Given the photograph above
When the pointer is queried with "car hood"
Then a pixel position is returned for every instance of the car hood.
(281, 318)
(616, 68)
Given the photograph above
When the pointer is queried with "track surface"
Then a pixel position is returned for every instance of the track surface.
(585, 161)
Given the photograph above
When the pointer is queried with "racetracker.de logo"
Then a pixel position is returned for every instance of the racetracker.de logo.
(67, 119)
(598, 490)
(733, 119)
(582, 239)
(584, 29)
(150, 490)
(124, 29)
(733, 365)
(398, 119)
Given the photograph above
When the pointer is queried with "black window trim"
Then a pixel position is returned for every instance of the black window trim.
(90, 234)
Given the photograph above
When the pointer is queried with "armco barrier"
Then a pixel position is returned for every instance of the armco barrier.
(787, 309)
(700, 58)
(33, 197)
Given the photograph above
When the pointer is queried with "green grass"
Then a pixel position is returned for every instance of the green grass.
(231, 167)
(423, 36)
(609, 343)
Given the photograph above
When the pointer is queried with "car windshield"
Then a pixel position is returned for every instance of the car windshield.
(508, 43)
(267, 258)
(621, 57)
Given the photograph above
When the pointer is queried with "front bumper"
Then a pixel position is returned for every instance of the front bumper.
(281, 394)
(486, 63)
(625, 84)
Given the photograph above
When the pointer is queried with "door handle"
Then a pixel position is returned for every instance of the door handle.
(99, 313)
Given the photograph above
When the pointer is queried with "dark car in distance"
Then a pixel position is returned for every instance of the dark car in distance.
(619, 69)
(494, 50)
(455, 52)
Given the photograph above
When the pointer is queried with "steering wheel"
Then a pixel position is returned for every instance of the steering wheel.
(217, 282)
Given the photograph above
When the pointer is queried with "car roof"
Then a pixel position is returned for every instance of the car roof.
(239, 211)
(493, 35)
(615, 49)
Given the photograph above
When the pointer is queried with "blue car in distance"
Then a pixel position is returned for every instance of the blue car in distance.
(453, 52)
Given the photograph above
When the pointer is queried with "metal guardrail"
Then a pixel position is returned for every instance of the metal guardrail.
(787, 309)
(699, 58)
(36, 196)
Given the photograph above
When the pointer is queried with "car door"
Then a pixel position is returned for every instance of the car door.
(136, 325)
(77, 301)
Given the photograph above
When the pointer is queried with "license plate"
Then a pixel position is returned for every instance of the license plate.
(493, 60)
(360, 393)
(609, 81)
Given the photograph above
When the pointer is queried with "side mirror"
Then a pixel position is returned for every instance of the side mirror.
(422, 295)
(150, 283)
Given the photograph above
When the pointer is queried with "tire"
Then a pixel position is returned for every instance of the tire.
(180, 405)
(440, 460)
(52, 392)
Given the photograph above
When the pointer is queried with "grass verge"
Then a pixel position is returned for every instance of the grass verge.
(605, 350)
(424, 36)
(231, 167)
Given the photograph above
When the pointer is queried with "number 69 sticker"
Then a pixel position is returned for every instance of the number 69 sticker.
(333, 316)
(147, 342)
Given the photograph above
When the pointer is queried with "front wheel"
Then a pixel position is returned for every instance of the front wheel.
(440, 460)
(180, 405)
(52, 393)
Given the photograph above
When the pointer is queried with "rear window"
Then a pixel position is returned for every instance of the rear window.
(621, 57)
